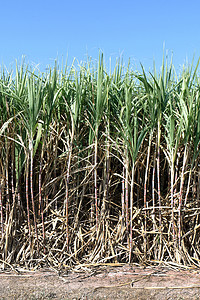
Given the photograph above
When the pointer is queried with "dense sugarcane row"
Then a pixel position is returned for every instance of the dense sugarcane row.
(99, 166)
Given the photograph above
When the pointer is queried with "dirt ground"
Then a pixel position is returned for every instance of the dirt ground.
(102, 282)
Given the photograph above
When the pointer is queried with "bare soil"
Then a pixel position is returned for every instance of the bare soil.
(102, 282)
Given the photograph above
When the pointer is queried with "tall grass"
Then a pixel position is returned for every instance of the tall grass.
(98, 167)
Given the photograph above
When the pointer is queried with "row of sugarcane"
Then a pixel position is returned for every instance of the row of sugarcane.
(99, 166)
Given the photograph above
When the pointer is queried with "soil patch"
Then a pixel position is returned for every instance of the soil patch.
(102, 282)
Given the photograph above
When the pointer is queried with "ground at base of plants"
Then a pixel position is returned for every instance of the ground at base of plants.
(102, 282)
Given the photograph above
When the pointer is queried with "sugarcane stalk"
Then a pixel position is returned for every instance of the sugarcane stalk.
(12, 175)
(67, 197)
(181, 195)
(1, 210)
(131, 210)
(7, 190)
(27, 196)
(158, 174)
(41, 206)
(138, 188)
(31, 191)
(145, 189)
(95, 183)
(67, 209)
(123, 195)
(127, 194)
(176, 172)
(92, 203)
(107, 170)
(172, 197)
(106, 184)
(153, 189)
(159, 192)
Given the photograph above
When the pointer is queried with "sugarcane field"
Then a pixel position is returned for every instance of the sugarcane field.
(100, 181)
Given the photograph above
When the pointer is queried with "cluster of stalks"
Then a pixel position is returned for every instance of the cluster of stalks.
(99, 166)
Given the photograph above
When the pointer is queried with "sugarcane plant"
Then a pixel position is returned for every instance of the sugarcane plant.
(99, 166)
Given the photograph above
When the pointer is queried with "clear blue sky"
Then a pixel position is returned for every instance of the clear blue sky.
(45, 30)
